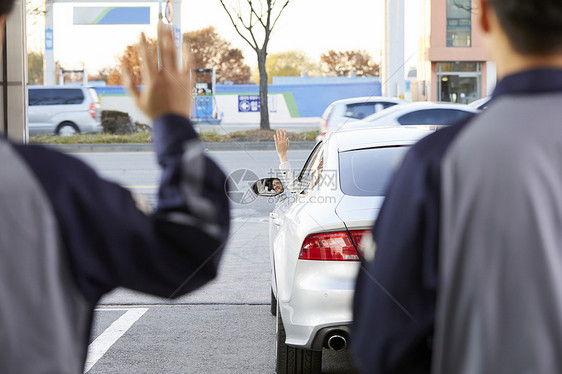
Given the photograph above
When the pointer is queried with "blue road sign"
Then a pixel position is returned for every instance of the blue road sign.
(49, 39)
(177, 37)
(248, 103)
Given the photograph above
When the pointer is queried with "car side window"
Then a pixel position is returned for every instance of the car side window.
(312, 165)
(55, 97)
(68, 96)
(359, 110)
(433, 117)
(316, 170)
(388, 105)
(35, 97)
(453, 116)
(382, 106)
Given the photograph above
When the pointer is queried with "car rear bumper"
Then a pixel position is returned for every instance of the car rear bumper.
(91, 126)
(322, 297)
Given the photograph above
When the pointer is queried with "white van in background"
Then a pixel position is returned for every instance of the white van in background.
(63, 110)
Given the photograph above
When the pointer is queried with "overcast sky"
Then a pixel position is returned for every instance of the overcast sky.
(310, 26)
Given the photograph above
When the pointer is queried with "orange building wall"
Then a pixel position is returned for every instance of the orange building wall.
(438, 50)
(433, 47)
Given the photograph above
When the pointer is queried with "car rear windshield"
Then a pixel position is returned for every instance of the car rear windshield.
(362, 110)
(439, 117)
(359, 110)
(55, 96)
(367, 172)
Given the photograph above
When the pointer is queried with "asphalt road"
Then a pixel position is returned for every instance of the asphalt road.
(224, 327)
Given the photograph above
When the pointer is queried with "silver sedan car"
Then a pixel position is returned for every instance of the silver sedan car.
(316, 238)
(416, 114)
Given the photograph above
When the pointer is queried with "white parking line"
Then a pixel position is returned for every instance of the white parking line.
(103, 342)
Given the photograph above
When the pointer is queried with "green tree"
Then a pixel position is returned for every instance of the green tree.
(35, 67)
(289, 64)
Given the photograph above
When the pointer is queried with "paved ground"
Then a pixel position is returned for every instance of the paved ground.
(224, 327)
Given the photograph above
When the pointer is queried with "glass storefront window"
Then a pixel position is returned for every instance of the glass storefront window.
(458, 23)
(459, 82)
(445, 67)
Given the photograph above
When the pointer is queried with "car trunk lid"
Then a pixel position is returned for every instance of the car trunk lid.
(359, 212)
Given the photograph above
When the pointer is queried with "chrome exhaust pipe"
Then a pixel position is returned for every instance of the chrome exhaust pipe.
(337, 343)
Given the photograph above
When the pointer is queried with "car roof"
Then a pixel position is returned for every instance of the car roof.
(372, 120)
(367, 99)
(58, 87)
(347, 140)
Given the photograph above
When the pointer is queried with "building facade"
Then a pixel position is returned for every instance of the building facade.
(452, 63)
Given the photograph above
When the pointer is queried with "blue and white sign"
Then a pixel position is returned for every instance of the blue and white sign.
(248, 103)
(112, 15)
(177, 37)
(49, 39)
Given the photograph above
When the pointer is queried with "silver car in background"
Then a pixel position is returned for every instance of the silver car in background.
(416, 114)
(316, 240)
(346, 110)
(63, 110)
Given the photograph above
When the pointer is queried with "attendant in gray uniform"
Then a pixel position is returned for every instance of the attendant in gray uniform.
(67, 237)
(467, 270)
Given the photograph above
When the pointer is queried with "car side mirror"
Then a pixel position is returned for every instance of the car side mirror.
(268, 187)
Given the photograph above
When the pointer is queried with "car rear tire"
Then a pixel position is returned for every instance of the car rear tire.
(273, 304)
(67, 129)
(291, 360)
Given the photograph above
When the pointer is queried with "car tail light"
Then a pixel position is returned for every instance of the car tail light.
(357, 237)
(92, 110)
(329, 246)
(324, 127)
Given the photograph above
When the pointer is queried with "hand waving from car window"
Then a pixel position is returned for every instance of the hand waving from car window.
(281, 144)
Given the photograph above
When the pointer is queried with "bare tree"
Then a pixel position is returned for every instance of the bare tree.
(35, 9)
(254, 20)
(34, 67)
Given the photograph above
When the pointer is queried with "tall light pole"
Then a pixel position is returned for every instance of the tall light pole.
(49, 61)
(393, 81)
(176, 24)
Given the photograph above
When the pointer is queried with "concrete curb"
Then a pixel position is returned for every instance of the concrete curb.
(147, 147)
(255, 146)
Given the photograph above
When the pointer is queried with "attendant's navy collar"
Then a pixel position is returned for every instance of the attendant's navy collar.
(542, 80)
